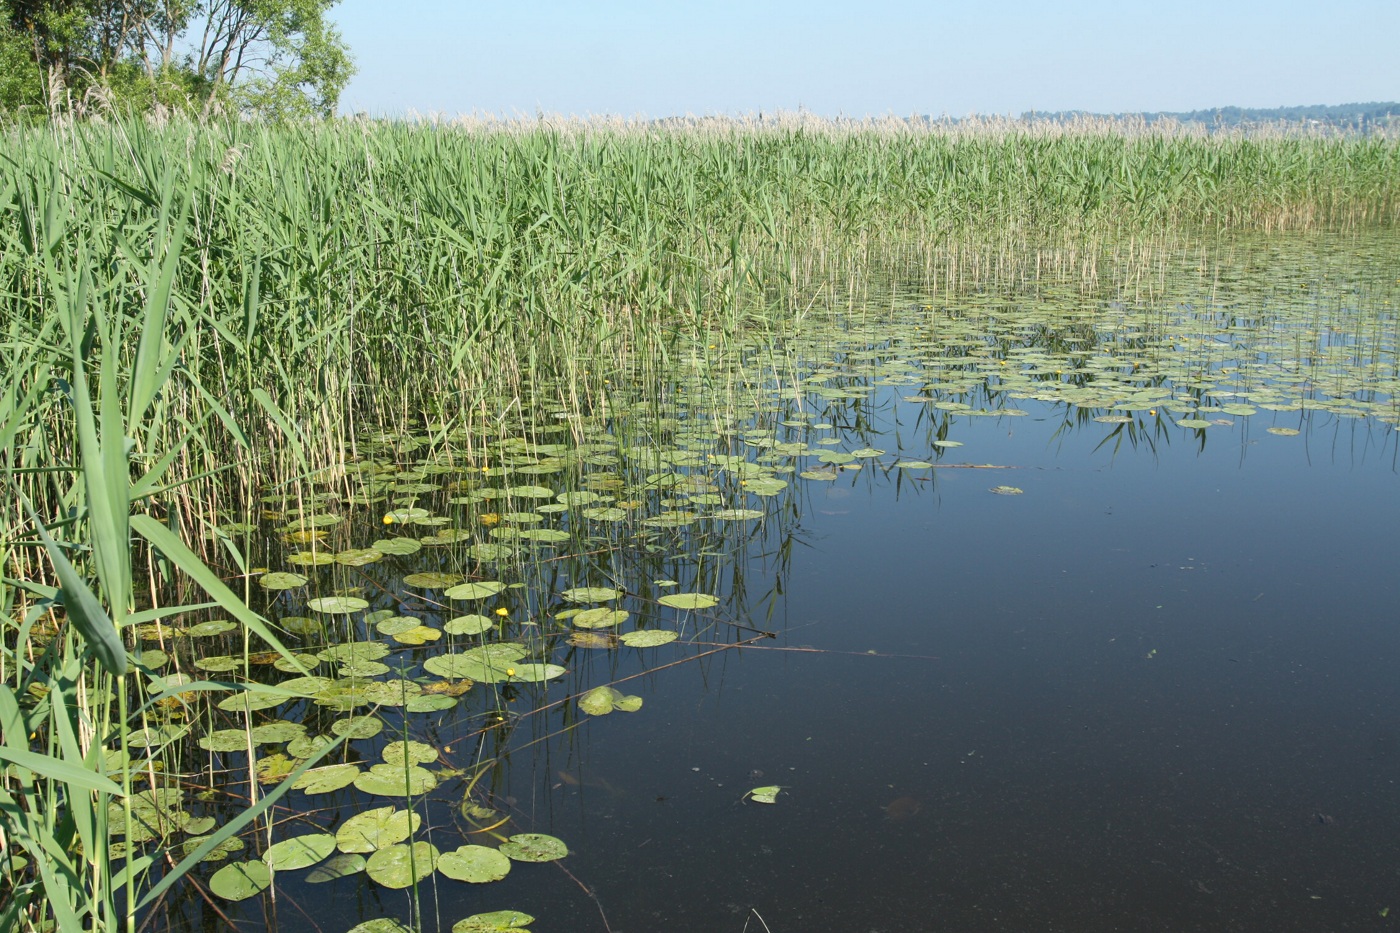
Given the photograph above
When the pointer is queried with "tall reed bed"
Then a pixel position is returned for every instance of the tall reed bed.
(194, 315)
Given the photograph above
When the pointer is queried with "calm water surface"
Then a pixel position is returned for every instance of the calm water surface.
(1157, 690)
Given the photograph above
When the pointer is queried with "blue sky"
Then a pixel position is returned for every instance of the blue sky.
(872, 57)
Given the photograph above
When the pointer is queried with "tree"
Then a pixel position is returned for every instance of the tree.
(276, 58)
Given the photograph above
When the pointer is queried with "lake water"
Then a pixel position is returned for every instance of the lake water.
(1084, 669)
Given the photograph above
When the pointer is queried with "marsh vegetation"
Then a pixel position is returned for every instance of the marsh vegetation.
(355, 472)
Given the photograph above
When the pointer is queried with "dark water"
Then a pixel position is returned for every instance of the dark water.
(1158, 690)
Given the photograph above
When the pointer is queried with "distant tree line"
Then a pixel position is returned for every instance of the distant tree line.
(1359, 118)
(281, 59)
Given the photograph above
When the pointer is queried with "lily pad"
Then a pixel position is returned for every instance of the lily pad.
(337, 605)
(239, 881)
(1006, 490)
(432, 581)
(599, 617)
(299, 851)
(497, 921)
(473, 624)
(649, 638)
(476, 864)
(327, 779)
(374, 829)
(534, 847)
(688, 600)
(339, 866)
(401, 864)
(591, 594)
(480, 590)
(768, 794)
(281, 581)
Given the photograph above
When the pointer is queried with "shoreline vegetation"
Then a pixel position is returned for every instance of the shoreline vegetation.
(196, 315)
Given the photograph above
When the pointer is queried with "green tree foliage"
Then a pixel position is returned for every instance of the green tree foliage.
(275, 58)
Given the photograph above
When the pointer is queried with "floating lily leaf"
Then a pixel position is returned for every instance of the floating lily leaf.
(326, 779)
(609, 514)
(433, 703)
(274, 768)
(601, 640)
(219, 664)
(473, 624)
(867, 452)
(398, 547)
(358, 727)
(914, 465)
(600, 701)
(239, 881)
(477, 864)
(418, 635)
(649, 638)
(599, 617)
(226, 740)
(400, 865)
(732, 515)
(418, 753)
(768, 794)
(373, 829)
(215, 627)
(1283, 432)
(281, 581)
(591, 594)
(395, 624)
(301, 625)
(535, 673)
(299, 851)
(470, 591)
(497, 921)
(342, 866)
(380, 925)
(1193, 423)
(432, 581)
(337, 605)
(947, 444)
(688, 600)
(1006, 490)
(310, 558)
(276, 732)
(307, 746)
(534, 847)
(217, 854)
(396, 780)
(354, 651)
(544, 535)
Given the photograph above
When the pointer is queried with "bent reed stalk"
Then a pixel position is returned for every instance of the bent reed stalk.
(196, 314)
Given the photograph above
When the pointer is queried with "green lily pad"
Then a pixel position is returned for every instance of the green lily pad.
(1006, 490)
(299, 851)
(397, 547)
(534, 847)
(535, 673)
(599, 617)
(218, 665)
(418, 635)
(239, 881)
(600, 701)
(648, 638)
(545, 535)
(768, 794)
(281, 581)
(374, 829)
(473, 624)
(401, 864)
(914, 465)
(306, 746)
(311, 558)
(497, 921)
(225, 740)
(213, 627)
(734, 515)
(327, 779)
(358, 727)
(378, 924)
(476, 864)
(387, 780)
(416, 753)
(337, 605)
(481, 590)
(688, 600)
(430, 703)
(432, 580)
(301, 625)
(591, 594)
(277, 732)
(339, 866)
(1283, 432)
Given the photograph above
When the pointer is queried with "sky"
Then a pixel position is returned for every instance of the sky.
(658, 58)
